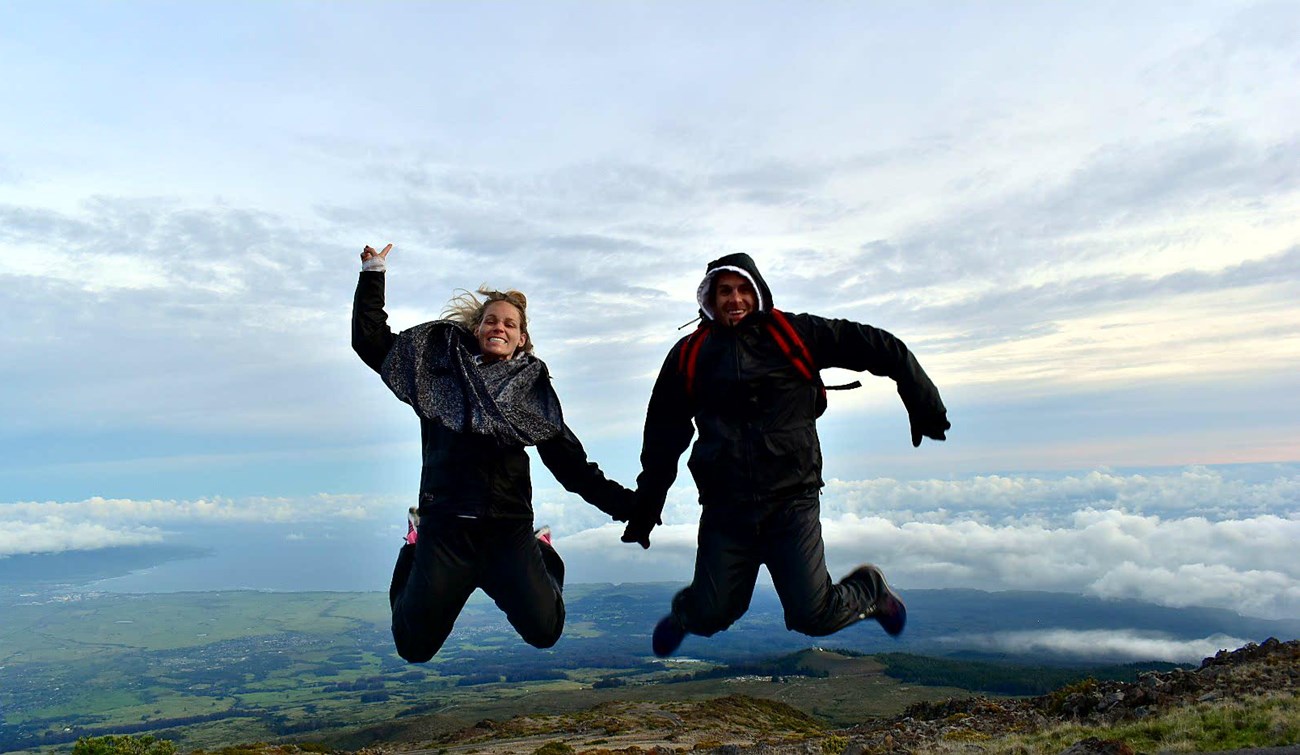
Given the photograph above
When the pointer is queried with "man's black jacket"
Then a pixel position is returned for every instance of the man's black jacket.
(466, 474)
(755, 413)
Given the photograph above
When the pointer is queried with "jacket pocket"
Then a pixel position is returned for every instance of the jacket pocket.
(703, 463)
(790, 459)
(799, 442)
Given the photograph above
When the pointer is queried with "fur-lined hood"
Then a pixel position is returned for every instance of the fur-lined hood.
(732, 263)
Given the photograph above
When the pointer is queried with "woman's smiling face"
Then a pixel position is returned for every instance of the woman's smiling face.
(499, 334)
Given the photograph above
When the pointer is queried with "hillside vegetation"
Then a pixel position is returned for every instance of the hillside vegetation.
(203, 670)
(1249, 697)
(1245, 698)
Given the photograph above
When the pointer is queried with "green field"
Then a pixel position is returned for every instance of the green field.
(214, 669)
(209, 669)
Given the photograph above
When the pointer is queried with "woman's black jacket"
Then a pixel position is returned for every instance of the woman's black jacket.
(466, 474)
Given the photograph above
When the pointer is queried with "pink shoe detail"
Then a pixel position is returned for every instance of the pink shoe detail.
(412, 523)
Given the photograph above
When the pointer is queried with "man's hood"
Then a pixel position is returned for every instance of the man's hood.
(732, 263)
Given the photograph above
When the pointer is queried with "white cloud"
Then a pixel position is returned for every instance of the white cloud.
(90, 272)
(1191, 537)
(53, 527)
(1197, 536)
(55, 534)
(1192, 491)
(1257, 591)
(1109, 553)
(1116, 645)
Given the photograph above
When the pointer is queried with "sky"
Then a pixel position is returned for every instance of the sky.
(1084, 220)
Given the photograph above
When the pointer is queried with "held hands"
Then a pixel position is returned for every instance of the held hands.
(374, 261)
(623, 505)
(638, 531)
(643, 518)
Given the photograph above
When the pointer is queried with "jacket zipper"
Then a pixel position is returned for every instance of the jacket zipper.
(749, 431)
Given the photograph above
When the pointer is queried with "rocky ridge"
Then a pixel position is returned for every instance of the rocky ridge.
(1253, 670)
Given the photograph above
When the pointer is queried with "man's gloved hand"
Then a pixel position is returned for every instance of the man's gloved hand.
(638, 530)
(932, 426)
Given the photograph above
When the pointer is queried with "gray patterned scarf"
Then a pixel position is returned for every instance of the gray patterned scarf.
(431, 368)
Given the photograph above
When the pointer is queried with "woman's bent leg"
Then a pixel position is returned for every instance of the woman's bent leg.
(526, 578)
(440, 580)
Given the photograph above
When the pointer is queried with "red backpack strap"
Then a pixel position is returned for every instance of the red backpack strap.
(689, 355)
(798, 352)
(787, 338)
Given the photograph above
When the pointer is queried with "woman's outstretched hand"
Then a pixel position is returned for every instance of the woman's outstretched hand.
(372, 260)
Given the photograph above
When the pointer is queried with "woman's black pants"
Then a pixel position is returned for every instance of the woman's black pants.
(452, 557)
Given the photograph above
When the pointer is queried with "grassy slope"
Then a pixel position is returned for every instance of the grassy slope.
(856, 690)
(1269, 720)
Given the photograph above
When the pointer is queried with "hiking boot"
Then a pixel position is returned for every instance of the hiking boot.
(888, 608)
(890, 613)
(543, 533)
(668, 636)
(412, 525)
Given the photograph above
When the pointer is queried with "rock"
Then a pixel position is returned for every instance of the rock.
(1095, 746)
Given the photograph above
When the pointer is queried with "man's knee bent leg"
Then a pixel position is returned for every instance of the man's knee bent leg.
(818, 619)
(812, 624)
(707, 626)
(706, 618)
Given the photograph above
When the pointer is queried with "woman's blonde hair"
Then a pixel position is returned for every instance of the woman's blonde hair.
(466, 309)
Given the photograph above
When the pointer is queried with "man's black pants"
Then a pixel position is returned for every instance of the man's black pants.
(454, 556)
(788, 540)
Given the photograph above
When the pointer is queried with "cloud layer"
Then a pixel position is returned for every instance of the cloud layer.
(1119, 646)
(1166, 538)
(1196, 537)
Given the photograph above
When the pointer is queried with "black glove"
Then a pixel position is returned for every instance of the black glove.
(932, 426)
(638, 531)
